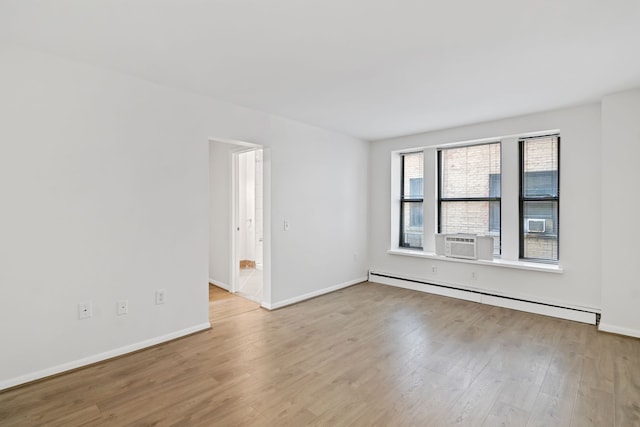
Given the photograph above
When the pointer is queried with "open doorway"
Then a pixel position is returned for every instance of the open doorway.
(249, 224)
(240, 218)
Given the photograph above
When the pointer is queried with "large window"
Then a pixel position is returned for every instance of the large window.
(469, 191)
(539, 198)
(411, 200)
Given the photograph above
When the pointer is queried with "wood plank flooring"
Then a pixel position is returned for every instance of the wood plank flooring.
(223, 304)
(368, 355)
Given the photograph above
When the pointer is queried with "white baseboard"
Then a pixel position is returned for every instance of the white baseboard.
(607, 327)
(313, 294)
(12, 382)
(220, 284)
(506, 301)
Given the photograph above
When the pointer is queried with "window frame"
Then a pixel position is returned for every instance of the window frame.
(401, 241)
(523, 199)
(439, 191)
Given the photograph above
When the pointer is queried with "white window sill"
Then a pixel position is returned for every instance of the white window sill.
(522, 265)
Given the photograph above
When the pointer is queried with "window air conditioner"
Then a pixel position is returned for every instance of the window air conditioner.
(460, 246)
(535, 225)
(483, 246)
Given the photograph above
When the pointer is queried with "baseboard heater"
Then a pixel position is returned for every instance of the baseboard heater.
(562, 312)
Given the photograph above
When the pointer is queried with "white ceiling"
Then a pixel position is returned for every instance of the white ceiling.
(367, 68)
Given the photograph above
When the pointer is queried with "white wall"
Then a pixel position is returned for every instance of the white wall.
(320, 185)
(580, 215)
(620, 234)
(104, 184)
(220, 161)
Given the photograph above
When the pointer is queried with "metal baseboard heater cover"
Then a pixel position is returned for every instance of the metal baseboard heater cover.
(553, 310)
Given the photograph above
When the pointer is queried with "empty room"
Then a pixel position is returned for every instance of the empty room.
(337, 213)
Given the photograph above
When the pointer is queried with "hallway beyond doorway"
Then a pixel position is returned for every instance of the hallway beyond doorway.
(250, 284)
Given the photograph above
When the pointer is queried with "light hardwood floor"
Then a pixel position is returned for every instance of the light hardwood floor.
(366, 355)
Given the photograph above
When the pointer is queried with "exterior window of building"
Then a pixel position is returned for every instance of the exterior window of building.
(469, 191)
(411, 200)
(539, 198)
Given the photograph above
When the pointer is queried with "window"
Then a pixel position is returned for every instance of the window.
(411, 200)
(539, 198)
(466, 195)
(469, 191)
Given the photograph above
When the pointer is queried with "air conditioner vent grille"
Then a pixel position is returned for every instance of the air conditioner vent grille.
(460, 246)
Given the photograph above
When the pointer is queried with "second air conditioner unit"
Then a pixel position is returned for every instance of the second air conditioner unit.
(535, 225)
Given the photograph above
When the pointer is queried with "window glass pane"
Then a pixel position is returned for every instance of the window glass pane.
(415, 187)
(481, 217)
(412, 229)
(413, 167)
(411, 206)
(471, 171)
(494, 185)
(541, 167)
(494, 217)
(541, 184)
(540, 230)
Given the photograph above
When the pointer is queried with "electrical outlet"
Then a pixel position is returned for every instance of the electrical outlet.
(286, 225)
(160, 296)
(474, 275)
(84, 310)
(434, 269)
(123, 307)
